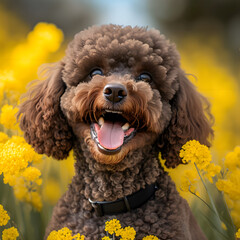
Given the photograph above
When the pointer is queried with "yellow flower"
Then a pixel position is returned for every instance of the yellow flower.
(78, 237)
(10, 234)
(36, 200)
(7, 81)
(64, 234)
(211, 171)
(3, 138)
(4, 217)
(1, 90)
(32, 174)
(128, 233)
(189, 179)
(230, 185)
(14, 158)
(106, 238)
(112, 226)
(232, 159)
(150, 237)
(7, 117)
(46, 36)
(238, 233)
(195, 152)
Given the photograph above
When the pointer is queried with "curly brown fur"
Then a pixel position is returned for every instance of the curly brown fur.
(164, 110)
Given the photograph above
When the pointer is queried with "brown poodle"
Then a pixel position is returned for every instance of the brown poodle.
(118, 98)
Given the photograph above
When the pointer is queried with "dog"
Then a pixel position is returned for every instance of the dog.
(118, 98)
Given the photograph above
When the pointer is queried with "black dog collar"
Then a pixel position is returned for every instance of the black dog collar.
(125, 204)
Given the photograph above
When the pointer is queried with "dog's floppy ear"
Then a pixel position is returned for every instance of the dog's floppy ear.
(40, 116)
(191, 119)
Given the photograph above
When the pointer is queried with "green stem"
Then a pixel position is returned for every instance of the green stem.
(201, 200)
(210, 197)
(212, 224)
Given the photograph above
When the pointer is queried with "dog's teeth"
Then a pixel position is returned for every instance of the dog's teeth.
(101, 121)
(125, 126)
(111, 111)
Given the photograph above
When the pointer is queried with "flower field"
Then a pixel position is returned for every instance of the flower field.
(31, 184)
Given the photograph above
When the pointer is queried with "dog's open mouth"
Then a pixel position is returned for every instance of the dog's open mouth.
(111, 132)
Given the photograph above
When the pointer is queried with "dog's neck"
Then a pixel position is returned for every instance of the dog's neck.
(108, 183)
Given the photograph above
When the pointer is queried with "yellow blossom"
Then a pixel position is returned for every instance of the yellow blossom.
(46, 36)
(3, 138)
(112, 226)
(64, 234)
(36, 200)
(230, 185)
(211, 171)
(232, 159)
(195, 152)
(10, 234)
(4, 217)
(238, 233)
(7, 117)
(28, 192)
(7, 80)
(32, 174)
(106, 238)
(78, 237)
(14, 158)
(189, 179)
(150, 237)
(127, 233)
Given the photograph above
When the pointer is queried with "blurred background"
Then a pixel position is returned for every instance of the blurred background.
(207, 35)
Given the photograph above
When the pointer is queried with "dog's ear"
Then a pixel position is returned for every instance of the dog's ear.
(191, 119)
(41, 118)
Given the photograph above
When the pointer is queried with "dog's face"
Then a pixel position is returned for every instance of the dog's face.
(112, 99)
(118, 89)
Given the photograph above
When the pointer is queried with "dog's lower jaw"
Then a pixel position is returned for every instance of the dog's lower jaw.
(82, 132)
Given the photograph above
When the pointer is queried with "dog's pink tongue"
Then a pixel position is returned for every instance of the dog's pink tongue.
(111, 135)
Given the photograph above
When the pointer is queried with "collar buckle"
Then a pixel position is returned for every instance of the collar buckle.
(97, 207)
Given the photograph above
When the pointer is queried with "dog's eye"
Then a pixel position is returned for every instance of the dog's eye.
(96, 71)
(144, 77)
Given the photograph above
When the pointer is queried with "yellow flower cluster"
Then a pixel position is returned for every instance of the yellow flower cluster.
(238, 233)
(187, 177)
(3, 137)
(7, 117)
(16, 158)
(106, 238)
(229, 184)
(194, 152)
(150, 237)
(9, 233)
(127, 233)
(64, 234)
(25, 58)
(113, 227)
(4, 216)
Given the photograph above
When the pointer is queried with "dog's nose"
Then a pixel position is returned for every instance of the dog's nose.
(115, 92)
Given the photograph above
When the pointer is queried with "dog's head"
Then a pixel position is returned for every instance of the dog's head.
(118, 89)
